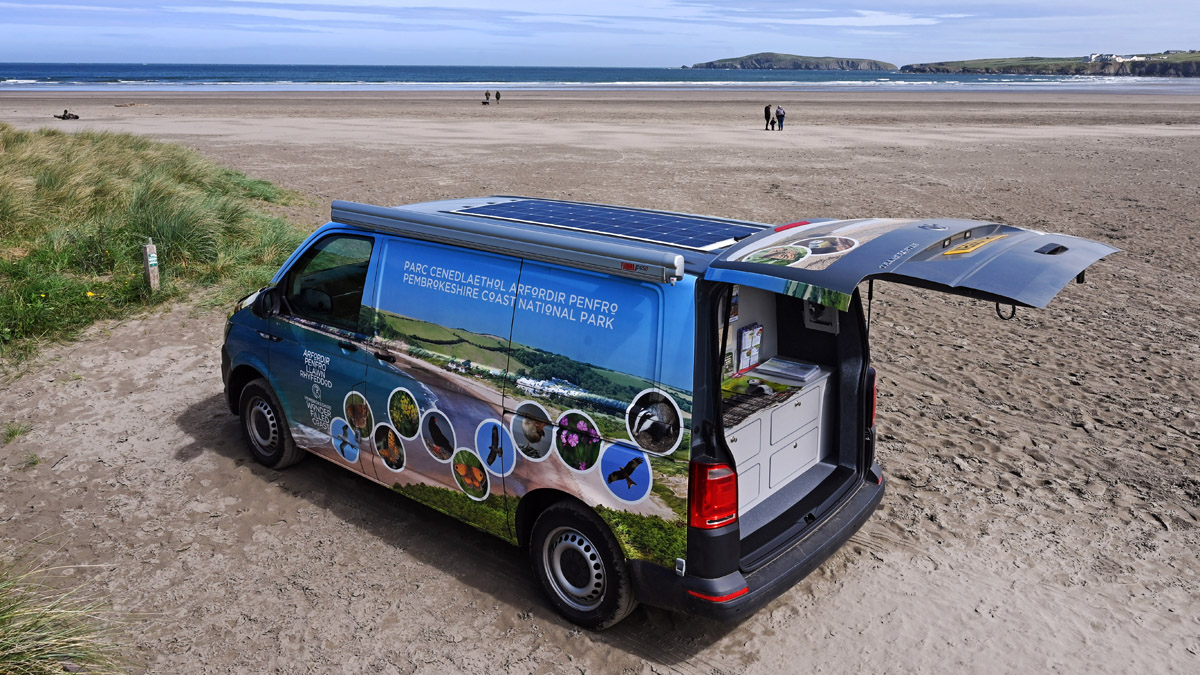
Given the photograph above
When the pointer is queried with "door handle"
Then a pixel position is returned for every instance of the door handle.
(268, 336)
(347, 346)
(384, 356)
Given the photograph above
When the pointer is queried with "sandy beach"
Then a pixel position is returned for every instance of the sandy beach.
(1043, 505)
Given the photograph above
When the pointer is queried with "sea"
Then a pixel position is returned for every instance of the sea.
(128, 77)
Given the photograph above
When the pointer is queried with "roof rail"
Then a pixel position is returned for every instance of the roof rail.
(515, 240)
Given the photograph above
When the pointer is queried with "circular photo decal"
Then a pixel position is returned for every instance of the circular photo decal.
(358, 413)
(495, 446)
(345, 439)
(532, 431)
(577, 439)
(438, 434)
(654, 421)
(469, 474)
(626, 472)
(778, 255)
(389, 447)
(404, 413)
(828, 245)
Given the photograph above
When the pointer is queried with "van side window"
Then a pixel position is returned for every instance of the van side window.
(326, 283)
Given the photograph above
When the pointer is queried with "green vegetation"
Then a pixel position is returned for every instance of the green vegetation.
(31, 460)
(402, 408)
(450, 343)
(490, 515)
(13, 430)
(775, 61)
(673, 501)
(647, 537)
(43, 631)
(1166, 65)
(75, 210)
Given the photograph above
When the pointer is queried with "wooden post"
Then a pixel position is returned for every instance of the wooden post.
(150, 263)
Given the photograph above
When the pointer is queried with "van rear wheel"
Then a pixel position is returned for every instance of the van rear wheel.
(265, 428)
(581, 566)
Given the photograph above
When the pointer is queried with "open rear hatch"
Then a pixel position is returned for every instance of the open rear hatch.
(796, 393)
(825, 261)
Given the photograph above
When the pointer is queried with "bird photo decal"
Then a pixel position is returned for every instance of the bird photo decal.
(438, 434)
(495, 446)
(532, 431)
(626, 471)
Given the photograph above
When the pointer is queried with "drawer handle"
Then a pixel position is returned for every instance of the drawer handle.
(733, 439)
(798, 403)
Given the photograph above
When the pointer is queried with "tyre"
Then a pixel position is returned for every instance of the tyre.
(581, 566)
(265, 427)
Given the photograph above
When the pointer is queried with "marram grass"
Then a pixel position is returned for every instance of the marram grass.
(75, 210)
(45, 631)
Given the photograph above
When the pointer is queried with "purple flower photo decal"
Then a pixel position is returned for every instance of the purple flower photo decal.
(578, 440)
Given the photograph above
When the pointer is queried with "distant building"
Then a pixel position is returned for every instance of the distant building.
(1111, 58)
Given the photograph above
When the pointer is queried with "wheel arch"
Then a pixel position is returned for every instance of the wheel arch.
(239, 377)
(533, 504)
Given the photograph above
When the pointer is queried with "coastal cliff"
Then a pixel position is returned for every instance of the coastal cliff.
(774, 61)
(1180, 65)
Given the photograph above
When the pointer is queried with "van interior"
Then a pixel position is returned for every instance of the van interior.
(792, 410)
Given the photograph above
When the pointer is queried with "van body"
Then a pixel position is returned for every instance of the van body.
(663, 407)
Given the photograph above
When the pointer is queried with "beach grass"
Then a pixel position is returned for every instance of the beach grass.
(14, 430)
(75, 210)
(45, 630)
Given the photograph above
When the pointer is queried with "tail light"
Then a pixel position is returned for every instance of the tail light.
(712, 497)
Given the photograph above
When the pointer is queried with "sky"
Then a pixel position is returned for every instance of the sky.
(652, 33)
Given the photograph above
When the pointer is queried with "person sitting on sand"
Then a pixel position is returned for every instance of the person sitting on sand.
(67, 116)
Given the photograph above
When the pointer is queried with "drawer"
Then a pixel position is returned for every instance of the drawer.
(796, 413)
(794, 457)
(745, 441)
(749, 484)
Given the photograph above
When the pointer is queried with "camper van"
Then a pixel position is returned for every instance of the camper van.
(661, 407)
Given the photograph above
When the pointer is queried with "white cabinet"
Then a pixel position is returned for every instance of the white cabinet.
(774, 445)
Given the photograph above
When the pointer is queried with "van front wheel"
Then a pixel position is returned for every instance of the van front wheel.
(265, 428)
(581, 566)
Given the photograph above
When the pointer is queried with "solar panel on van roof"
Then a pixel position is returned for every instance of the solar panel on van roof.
(695, 232)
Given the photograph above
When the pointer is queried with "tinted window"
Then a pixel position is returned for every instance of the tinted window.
(326, 284)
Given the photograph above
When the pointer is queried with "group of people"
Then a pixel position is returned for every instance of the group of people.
(487, 97)
(773, 119)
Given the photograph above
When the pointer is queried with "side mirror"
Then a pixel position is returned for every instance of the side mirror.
(266, 304)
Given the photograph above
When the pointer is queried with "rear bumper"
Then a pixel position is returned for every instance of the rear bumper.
(724, 598)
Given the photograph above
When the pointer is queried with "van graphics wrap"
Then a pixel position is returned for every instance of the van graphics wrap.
(532, 431)
(345, 441)
(502, 377)
(405, 413)
(626, 472)
(495, 446)
(469, 474)
(358, 413)
(653, 421)
(389, 447)
(577, 441)
(438, 434)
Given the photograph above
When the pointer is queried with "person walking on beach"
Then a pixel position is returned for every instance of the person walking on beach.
(497, 97)
(779, 115)
(487, 97)
(768, 118)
